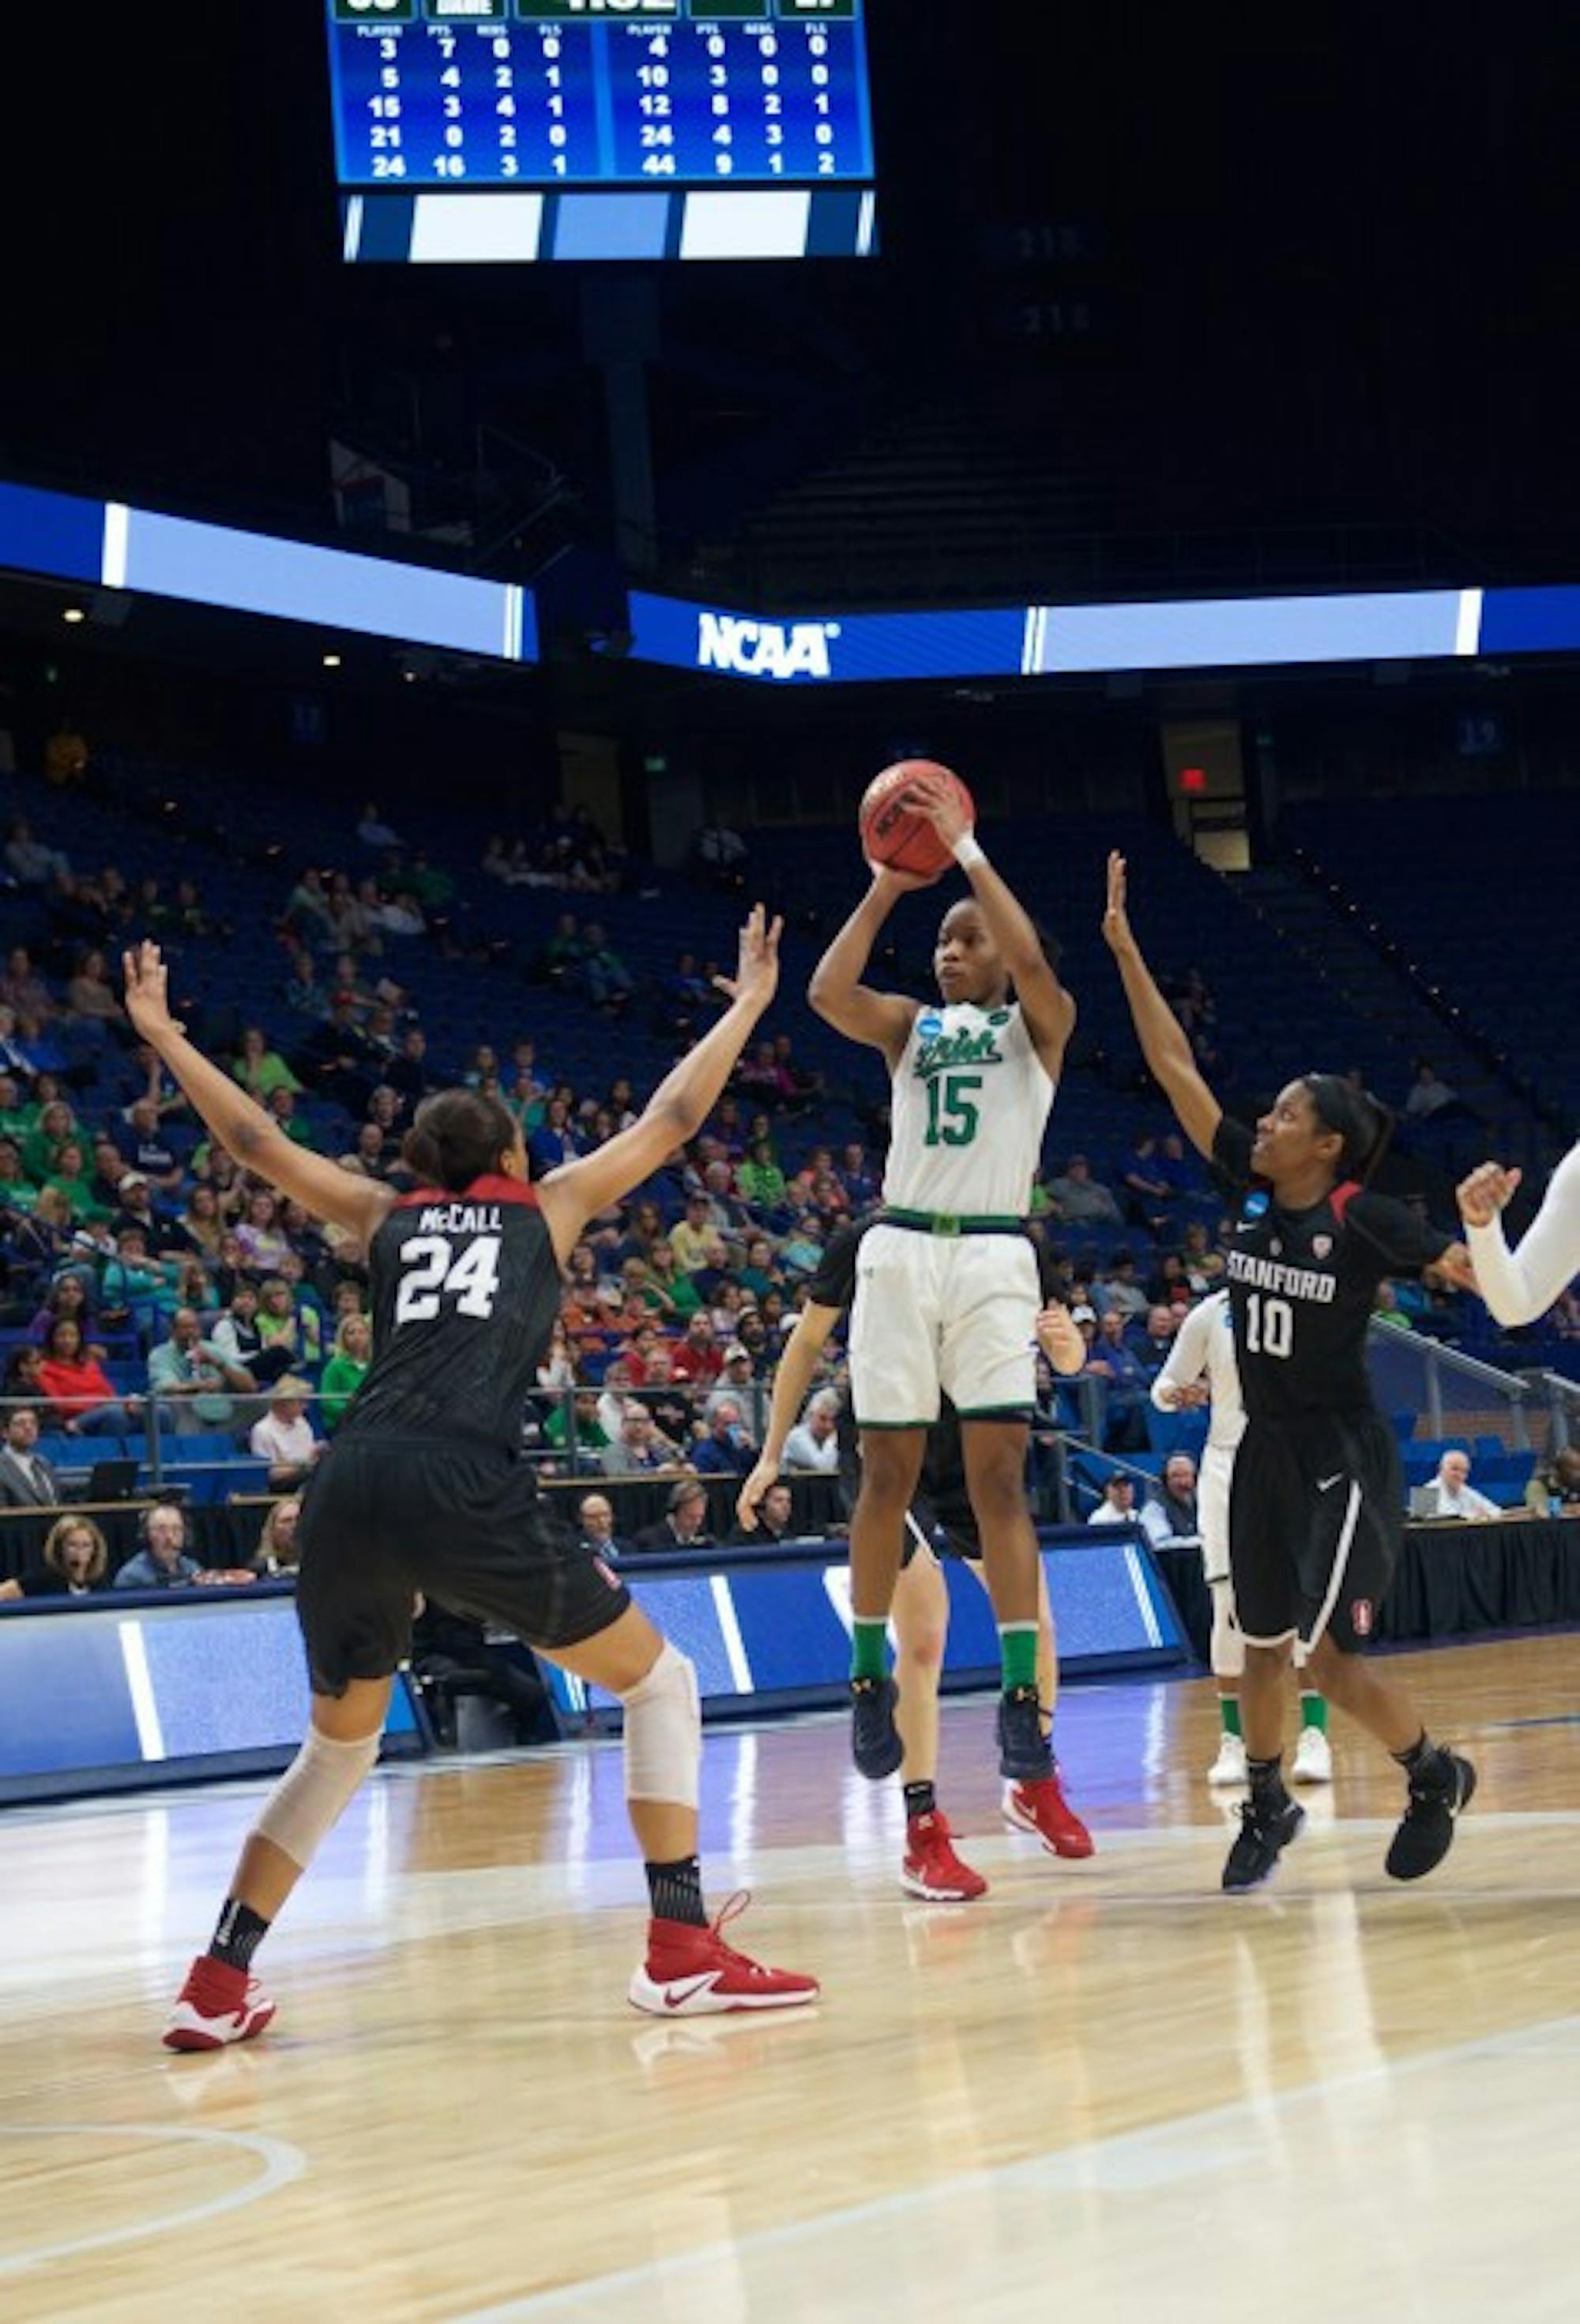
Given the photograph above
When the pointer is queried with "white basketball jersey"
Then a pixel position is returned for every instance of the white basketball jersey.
(1204, 1349)
(970, 1102)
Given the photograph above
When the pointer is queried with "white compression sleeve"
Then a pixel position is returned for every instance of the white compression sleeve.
(664, 1732)
(1520, 1284)
(311, 1795)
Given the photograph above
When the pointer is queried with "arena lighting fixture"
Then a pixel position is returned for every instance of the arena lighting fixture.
(75, 614)
(332, 661)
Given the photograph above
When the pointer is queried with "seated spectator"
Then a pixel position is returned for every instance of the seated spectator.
(685, 1525)
(27, 1481)
(67, 1299)
(89, 995)
(282, 1106)
(759, 1275)
(1117, 1506)
(734, 1384)
(595, 1526)
(30, 862)
(691, 1236)
(1428, 1095)
(373, 832)
(1111, 1359)
(284, 1436)
(290, 1322)
(24, 993)
(277, 1553)
(609, 981)
(860, 1178)
(1082, 1200)
(1451, 1494)
(1116, 1289)
(259, 1232)
(409, 1072)
(1147, 1192)
(762, 1079)
(727, 1450)
(555, 1140)
(775, 1520)
(346, 1369)
(592, 1439)
(236, 1334)
(53, 1123)
(1156, 1344)
(1171, 1514)
(799, 1080)
(189, 1376)
(1204, 1266)
(1386, 1307)
(699, 1359)
(681, 1291)
(80, 1389)
(1175, 1168)
(1553, 1491)
(815, 1442)
(638, 1450)
(1168, 1286)
(801, 1252)
(73, 1177)
(74, 1563)
(17, 1191)
(163, 1563)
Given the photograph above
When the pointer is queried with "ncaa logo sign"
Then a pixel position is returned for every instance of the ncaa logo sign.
(772, 649)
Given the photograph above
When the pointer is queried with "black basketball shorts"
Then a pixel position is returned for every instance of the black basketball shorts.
(1314, 1512)
(384, 1518)
(940, 1516)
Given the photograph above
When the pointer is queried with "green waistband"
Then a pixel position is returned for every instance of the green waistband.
(952, 1222)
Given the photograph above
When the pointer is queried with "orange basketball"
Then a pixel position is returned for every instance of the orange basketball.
(893, 833)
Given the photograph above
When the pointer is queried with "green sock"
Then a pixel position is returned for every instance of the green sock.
(868, 1646)
(1229, 1712)
(1314, 1710)
(1017, 1652)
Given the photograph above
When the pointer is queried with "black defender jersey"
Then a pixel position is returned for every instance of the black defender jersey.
(465, 1290)
(1302, 1284)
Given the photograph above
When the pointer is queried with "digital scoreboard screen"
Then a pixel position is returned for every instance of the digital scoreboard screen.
(470, 131)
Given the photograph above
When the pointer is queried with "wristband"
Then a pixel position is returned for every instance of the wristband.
(968, 852)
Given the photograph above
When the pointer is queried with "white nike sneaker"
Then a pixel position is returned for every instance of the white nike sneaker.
(1228, 1770)
(1313, 1759)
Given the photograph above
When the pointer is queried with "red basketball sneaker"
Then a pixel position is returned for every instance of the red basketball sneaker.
(1042, 1808)
(217, 2004)
(931, 1868)
(693, 1973)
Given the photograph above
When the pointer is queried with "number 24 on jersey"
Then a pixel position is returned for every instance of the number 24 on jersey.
(436, 1272)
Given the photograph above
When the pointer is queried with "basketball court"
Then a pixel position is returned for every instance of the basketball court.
(1104, 2086)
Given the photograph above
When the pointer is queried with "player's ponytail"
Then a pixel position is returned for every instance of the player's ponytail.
(458, 1136)
(1361, 1121)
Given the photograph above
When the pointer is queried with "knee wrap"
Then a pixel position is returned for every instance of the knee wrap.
(664, 1732)
(1228, 1643)
(308, 1802)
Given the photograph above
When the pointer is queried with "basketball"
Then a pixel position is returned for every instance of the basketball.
(893, 834)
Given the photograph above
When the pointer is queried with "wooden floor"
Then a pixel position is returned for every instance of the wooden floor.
(1104, 2092)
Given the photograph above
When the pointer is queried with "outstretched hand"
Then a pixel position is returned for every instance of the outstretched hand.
(1061, 1338)
(756, 968)
(148, 993)
(1118, 933)
(940, 804)
(751, 1498)
(1485, 1192)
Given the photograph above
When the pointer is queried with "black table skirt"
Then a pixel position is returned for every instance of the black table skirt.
(225, 1534)
(1451, 1580)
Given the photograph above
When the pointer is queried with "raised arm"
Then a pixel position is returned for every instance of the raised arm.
(1520, 1284)
(882, 1020)
(678, 1107)
(1047, 1008)
(1183, 1381)
(237, 1122)
(1159, 1032)
(792, 1377)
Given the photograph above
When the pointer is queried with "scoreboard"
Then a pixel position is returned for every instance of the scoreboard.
(513, 129)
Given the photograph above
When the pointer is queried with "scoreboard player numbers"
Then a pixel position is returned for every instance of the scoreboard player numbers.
(563, 98)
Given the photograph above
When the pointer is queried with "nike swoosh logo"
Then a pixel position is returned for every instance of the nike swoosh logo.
(676, 1996)
(1327, 1484)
